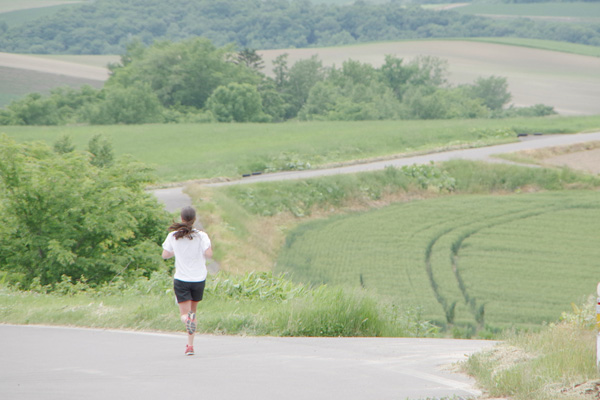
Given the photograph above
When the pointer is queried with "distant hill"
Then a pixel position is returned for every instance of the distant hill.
(569, 82)
(107, 26)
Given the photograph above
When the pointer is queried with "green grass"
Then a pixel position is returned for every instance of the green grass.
(251, 304)
(16, 83)
(495, 261)
(229, 150)
(556, 363)
(552, 45)
(580, 10)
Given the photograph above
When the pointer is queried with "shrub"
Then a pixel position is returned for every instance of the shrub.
(63, 216)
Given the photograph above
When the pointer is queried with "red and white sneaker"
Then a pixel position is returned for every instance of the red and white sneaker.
(189, 350)
(190, 323)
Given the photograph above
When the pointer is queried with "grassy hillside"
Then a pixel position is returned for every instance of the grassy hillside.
(230, 150)
(14, 5)
(16, 83)
(552, 45)
(21, 16)
(568, 11)
(504, 261)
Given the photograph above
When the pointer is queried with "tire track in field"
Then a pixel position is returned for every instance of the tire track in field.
(479, 312)
(470, 228)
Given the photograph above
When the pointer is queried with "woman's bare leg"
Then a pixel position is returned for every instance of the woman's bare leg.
(184, 308)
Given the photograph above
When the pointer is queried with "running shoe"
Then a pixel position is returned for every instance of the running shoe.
(189, 350)
(190, 323)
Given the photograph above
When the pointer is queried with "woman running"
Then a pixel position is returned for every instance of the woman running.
(191, 248)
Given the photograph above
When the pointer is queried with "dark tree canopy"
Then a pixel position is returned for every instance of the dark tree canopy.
(108, 26)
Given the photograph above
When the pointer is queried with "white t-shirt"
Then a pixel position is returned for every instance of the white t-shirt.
(190, 264)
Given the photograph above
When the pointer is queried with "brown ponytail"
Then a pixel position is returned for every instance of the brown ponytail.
(185, 227)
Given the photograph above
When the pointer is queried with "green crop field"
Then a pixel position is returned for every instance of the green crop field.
(185, 152)
(16, 83)
(552, 45)
(495, 261)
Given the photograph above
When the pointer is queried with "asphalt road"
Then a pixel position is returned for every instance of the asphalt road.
(39, 362)
(266, 368)
(174, 198)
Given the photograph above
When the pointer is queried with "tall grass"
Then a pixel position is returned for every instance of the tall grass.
(557, 363)
(184, 152)
(251, 304)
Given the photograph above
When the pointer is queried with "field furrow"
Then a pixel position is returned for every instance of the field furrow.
(495, 261)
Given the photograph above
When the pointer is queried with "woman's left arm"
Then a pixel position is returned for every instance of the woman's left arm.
(167, 254)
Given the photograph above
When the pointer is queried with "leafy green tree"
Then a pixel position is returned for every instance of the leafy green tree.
(493, 91)
(34, 109)
(441, 103)
(184, 73)
(395, 75)
(351, 93)
(107, 26)
(428, 71)
(63, 145)
(136, 104)
(421, 102)
(62, 106)
(281, 70)
(63, 216)
(273, 102)
(101, 151)
(237, 103)
(322, 101)
(251, 59)
(302, 76)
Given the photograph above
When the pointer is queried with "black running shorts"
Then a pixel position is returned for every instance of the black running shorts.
(185, 291)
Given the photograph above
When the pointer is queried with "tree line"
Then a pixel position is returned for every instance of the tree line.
(108, 26)
(194, 81)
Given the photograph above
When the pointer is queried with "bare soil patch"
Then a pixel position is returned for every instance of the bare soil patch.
(8, 6)
(581, 157)
(569, 82)
(51, 66)
(588, 161)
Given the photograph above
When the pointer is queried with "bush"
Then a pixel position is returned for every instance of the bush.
(63, 216)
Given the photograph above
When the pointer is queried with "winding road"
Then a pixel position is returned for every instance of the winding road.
(57, 363)
(72, 363)
(174, 198)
